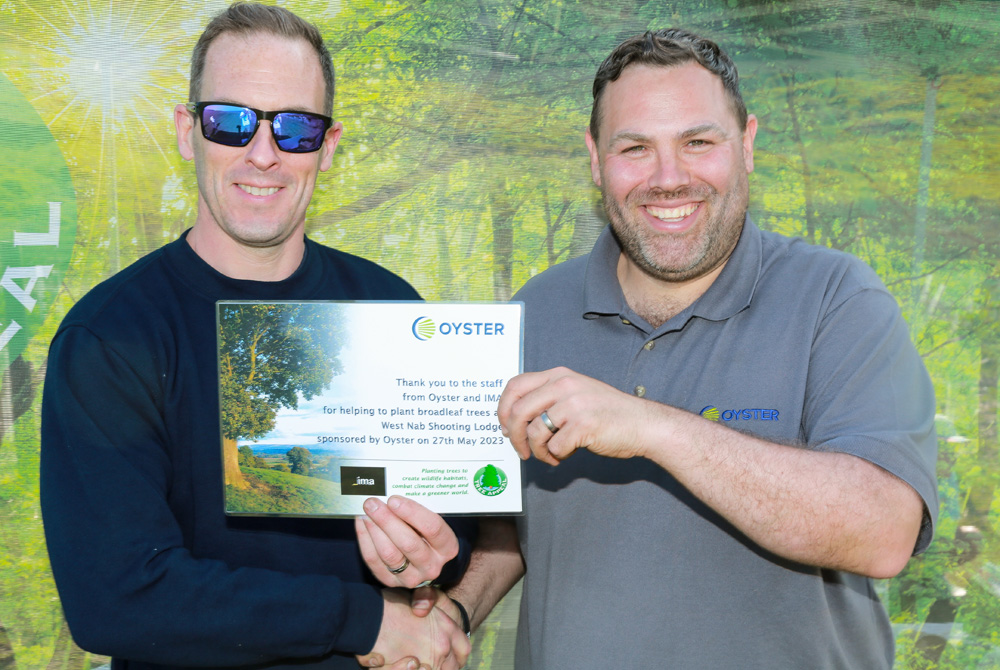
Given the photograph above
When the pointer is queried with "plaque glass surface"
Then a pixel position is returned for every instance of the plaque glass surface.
(324, 404)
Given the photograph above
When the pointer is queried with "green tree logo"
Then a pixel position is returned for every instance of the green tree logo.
(490, 480)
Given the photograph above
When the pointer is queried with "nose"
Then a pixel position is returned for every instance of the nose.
(263, 152)
(669, 172)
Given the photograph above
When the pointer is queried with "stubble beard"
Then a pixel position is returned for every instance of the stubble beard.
(673, 257)
(250, 230)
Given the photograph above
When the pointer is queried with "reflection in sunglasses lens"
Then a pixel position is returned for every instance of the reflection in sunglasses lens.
(232, 126)
(297, 132)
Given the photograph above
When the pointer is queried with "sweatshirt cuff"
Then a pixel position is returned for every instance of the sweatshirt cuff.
(361, 619)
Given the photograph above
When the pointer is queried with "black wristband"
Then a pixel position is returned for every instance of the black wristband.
(466, 624)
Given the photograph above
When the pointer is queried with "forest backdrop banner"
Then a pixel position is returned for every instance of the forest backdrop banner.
(463, 168)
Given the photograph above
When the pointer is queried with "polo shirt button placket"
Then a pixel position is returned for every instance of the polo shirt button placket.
(640, 390)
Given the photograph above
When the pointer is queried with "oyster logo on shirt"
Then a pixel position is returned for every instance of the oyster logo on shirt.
(713, 413)
(490, 480)
(423, 328)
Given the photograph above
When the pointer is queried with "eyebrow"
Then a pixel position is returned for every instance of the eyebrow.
(628, 136)
(703, 128)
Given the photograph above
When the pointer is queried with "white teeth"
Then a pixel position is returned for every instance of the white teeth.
(253, 190)
(672, 214)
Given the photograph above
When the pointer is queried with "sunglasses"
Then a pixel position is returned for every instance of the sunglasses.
(235, 126)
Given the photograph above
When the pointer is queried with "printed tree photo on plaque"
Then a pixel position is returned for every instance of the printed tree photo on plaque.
(270, 357)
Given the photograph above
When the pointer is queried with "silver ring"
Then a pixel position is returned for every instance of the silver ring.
(544, 416)
(426, 582)
(404, 566)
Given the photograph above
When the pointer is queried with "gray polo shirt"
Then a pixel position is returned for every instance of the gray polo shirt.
(625, 568)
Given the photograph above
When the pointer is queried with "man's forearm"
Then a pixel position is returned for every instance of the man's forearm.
(826, 509)
(495, 566)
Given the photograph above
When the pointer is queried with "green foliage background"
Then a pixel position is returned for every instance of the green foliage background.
(463, 168)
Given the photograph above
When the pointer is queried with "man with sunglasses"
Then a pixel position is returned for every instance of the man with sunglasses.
(149, 568)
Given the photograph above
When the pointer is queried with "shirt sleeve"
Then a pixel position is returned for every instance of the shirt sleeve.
(128, 585)
(869, 394)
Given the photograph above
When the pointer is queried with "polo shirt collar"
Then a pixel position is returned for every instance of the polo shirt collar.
(728, 295)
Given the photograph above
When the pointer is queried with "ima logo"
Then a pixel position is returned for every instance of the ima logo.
(423, 328)
(713, 413)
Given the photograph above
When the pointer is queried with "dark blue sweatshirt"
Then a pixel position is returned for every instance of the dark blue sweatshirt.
(149, 568)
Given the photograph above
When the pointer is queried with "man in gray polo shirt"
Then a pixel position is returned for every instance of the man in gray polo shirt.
(727, 432)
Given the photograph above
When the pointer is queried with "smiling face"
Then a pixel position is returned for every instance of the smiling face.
(254, 198)
(672, 164)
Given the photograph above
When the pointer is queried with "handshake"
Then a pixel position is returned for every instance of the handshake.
(405, 546)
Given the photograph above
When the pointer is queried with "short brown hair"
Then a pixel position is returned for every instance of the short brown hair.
(248, 18)
(667, 48)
